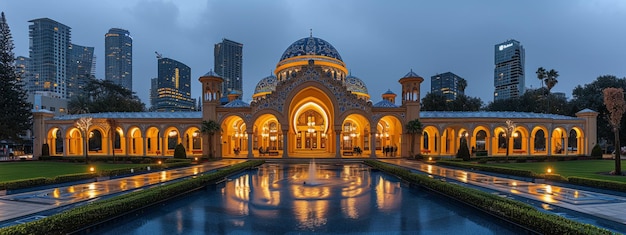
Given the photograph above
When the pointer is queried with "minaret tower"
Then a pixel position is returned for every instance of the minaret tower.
(211, 94)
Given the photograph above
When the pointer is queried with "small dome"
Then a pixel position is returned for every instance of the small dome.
(389, 92)
(211, 74)
(412, 75)
(310, 46)
(266, 85)
(355, 84)
(237, 103)
(385, 104)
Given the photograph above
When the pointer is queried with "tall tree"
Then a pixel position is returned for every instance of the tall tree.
(541, 75)
(434, 102)
(461, 85)
(615, 104)
(15, 114)
(210, 128)
(83, 124)
(590, 96)
(413, 128)
(105, 96)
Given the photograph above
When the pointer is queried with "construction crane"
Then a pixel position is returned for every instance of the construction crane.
(159, 56)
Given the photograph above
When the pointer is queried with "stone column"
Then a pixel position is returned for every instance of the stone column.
(337, 143)
(372, 145)
(285, 143)
(250, 150)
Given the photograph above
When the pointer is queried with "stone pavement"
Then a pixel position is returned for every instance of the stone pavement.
(23, 204)
(606, 206)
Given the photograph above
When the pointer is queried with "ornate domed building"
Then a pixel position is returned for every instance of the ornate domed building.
(312, 107)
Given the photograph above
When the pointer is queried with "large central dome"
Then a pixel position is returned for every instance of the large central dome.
(311, 46)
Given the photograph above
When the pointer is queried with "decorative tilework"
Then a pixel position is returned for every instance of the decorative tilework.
(310, 46)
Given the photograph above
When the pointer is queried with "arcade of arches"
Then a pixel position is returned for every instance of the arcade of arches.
(313, 108)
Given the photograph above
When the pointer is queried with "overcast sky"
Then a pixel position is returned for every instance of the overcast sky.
(380, 41)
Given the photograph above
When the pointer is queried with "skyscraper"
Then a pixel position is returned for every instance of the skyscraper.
(508, 76)
(79, 68)
(48, 52)
(228, 64)
(173, 87)
(447, 84)
(118, 46)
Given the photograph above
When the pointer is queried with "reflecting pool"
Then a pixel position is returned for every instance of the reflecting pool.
(310, 199)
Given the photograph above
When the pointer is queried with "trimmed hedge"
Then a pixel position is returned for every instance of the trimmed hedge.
(78, 218)
(511, 210)
(604, 184)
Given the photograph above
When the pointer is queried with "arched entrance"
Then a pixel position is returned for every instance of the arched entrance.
(311, 122)
(389, 137)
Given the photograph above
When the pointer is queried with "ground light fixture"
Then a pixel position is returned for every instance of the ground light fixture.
(549, 170)
(92, 169)
(159, 162)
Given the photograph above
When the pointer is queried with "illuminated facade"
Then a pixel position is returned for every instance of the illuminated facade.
(173, 90)
(118, 61)
(48, 53)
(228, 59)
(446, 84)
(508, 75)
(79, 69)
(312, 107)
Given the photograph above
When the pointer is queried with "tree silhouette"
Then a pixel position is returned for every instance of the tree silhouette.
(615, 104)
(210, 128)
(413, 128)
(15, 110)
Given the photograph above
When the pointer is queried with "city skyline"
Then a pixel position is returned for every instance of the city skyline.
(378, 50)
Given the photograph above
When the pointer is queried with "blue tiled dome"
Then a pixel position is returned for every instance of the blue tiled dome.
(355, 84)
(310, 46)
(237, 104)
(267, 84)
(385, 104)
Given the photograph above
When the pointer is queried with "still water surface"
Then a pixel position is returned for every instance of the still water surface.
(311, 199)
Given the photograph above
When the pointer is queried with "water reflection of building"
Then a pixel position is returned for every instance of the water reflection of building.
(312, 107)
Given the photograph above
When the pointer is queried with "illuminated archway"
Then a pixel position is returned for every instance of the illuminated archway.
(234, 136)
(430, 140)
(388, 136)
(136, 142)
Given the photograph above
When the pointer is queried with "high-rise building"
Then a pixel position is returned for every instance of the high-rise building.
(79, 68)
(228, 64)
(22, 63)
(118, 46)
(508, 76)
(48, 52)
(448, 84)
(173, 87)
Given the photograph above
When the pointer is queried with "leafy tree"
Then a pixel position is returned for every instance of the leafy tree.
(549, 78)
(533, 100)
(413, 128)
(461, 85)
(105, 96)
(434, 102)
(437, 102)
(616, 105)
(210, 128)
(15, 114)
(179, 151)
(463, 151)
(541, 75)
(590, 96)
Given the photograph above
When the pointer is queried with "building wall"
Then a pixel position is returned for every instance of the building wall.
(48, 51)
(446, 84)
(509, 73)
(173, 87)
(79, 69)
(118, 46)
(228, 63)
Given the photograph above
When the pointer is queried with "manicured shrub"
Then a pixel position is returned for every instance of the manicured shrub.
(179, 152)
(463, 152)
(596, 151)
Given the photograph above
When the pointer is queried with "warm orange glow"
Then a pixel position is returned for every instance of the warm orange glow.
(92, 169)
(549, 170)
(430, 158)
(159, 162)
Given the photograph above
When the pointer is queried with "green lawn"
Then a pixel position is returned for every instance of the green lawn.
(31, 169)
(595, 169)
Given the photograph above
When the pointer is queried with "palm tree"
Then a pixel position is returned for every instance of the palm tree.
(550, 83)
(541, 75)
(413, 128)
(210, 128)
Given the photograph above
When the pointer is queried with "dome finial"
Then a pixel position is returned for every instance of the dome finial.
(311, 32)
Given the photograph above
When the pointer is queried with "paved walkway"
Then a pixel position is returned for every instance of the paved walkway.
(609, 207)
(20, 205)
